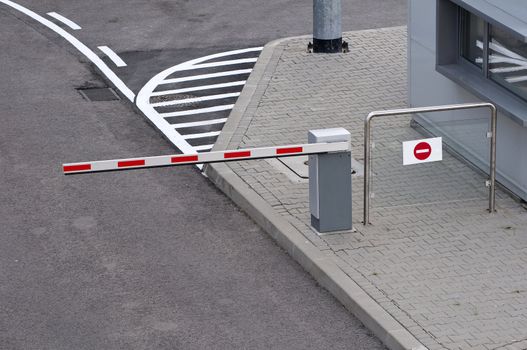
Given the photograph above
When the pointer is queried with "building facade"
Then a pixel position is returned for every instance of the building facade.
(468, 51)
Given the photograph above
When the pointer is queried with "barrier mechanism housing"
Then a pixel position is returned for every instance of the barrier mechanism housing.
(330, 183)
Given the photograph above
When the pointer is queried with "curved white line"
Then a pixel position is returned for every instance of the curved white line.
(78, 45)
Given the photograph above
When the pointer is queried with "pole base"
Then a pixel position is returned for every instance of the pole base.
(327, 45)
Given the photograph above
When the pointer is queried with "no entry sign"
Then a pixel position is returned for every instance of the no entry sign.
(422, 151)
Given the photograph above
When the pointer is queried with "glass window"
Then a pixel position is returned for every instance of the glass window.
(507, 55)
(472, 34)
(508, 61)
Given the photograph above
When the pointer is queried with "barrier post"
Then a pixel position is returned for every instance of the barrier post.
(330, 183)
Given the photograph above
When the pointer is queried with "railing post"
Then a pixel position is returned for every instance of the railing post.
(493, 130)
(330, 183)
(367, 170)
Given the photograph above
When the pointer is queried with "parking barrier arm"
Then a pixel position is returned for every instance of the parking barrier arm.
(200, 158)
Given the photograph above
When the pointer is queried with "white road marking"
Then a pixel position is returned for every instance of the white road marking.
(64, 20)
(169, 130)
(113, 56)
(203, 147)
(195, 99)
(199, 123)
(78, 45)
(143, 97)
(201, 135)
(198, 88)
(221, 54)
(197, 111)
(206, 76)
(220, 63)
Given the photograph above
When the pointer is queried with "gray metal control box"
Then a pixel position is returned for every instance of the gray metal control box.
(330, 183)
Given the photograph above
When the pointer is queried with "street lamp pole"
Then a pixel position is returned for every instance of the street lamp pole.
(327, 26)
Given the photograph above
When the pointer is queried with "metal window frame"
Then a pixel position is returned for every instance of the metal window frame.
(486, 38)
(463, 37)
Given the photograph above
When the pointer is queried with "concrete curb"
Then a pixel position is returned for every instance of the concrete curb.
(325, 271)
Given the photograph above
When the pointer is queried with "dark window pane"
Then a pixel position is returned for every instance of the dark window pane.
(472, 30)
(508, 61)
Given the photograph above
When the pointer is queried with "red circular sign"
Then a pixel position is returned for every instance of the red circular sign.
(422, 150)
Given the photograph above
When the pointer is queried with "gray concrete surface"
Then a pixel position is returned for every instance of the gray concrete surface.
(152, 35)
(435, 267)
(146, 259)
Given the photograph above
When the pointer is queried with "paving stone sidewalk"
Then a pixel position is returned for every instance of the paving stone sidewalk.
(452, 274)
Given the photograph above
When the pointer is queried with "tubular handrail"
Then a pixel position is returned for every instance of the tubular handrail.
(442, 108)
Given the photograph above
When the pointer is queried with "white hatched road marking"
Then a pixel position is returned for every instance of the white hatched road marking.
(148, 107)
(198, 88)
(197, 111)
(203, 148)
(199, 123)
(113, 56)
(195, 99)
(64, 20)
(119, 84)
(206, 76)
(220, 64)
(201, 135)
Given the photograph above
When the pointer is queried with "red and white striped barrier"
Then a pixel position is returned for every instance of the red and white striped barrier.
(209, 157)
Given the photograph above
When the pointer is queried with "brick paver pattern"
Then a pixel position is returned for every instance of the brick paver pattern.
(434, 258)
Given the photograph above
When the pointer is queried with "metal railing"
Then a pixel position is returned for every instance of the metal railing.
(395, 112)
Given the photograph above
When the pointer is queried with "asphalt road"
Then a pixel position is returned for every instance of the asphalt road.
(151, 35)
(151, 259)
